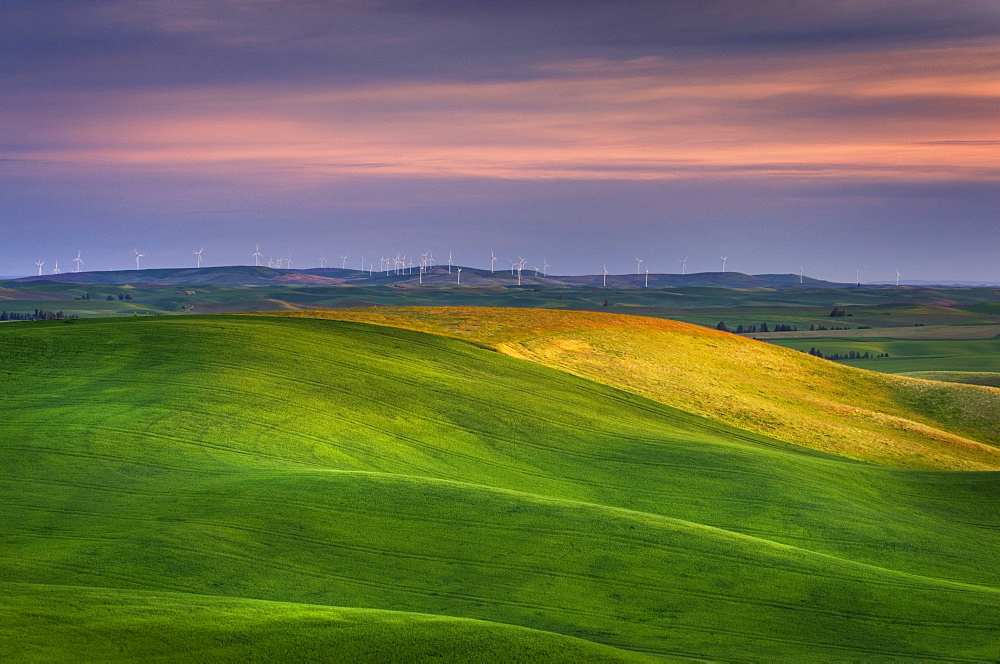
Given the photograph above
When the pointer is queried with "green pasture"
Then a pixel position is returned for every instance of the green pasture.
(96, 624)
(987, 378)
(250, 488)
(909, 355)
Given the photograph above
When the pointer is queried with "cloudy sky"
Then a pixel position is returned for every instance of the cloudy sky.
(836, 136)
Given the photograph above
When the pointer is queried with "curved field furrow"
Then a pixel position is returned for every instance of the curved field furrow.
(474, 564)
(493, 599)
(470, 525)
(143, 625)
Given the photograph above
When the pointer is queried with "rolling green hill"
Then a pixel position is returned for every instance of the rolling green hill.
(247, 487)
(788, 395)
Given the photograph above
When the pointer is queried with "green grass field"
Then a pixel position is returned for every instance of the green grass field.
(987, 378)
(752, 385)
(909, 355)
(233, 488)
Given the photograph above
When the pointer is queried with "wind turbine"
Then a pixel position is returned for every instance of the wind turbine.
(800, 274)
(724, 259)
(198, 254)
(459, 274)
(256, 256)
(321, 261)
(137, 257)
(493, 260)
(78, 261)
(545, 268)
(897, 277)
(343, 263)
(684, 264)
(638, 264)
(39, 264)
(647, 278)
(857, 273)
(605, 275)
(288, 262)
(449, 262)
(56, 269)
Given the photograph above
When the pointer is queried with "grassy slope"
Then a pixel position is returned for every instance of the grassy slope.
(788, 395)
(95, 624)
(326, 463)
(911, 355)
(988, 378)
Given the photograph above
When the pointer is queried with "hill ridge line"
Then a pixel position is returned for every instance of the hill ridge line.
(674, 521)
(687, 368)
(168, 594)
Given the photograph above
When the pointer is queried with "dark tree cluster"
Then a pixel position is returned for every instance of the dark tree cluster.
(838, 313)
(852, 355)
(85, 296)
(39, 314)
(751, 329)
(813, 328)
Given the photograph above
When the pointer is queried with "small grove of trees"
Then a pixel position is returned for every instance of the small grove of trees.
(814, 327)
(38, 314)
(850, 355)
(838, 313)
(751, 329)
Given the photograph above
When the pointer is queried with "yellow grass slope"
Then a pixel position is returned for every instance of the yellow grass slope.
(756, 386)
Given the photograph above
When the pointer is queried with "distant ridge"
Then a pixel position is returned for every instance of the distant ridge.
(941, 282)
(250, 276)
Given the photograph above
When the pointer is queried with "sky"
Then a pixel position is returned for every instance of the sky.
(835, 137)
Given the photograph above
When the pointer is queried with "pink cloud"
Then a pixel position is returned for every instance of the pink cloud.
(907, 115)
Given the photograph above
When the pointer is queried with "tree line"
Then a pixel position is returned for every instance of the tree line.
(750, 329)
(852, 355)
(38, 314)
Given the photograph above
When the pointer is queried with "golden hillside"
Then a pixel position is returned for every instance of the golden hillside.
(753, 385)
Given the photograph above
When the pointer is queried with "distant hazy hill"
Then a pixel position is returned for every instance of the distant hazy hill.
(249, 276)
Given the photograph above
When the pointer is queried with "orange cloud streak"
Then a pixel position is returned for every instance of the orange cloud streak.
(911, 115)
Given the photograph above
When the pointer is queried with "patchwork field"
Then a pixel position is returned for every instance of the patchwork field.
(231, 488)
